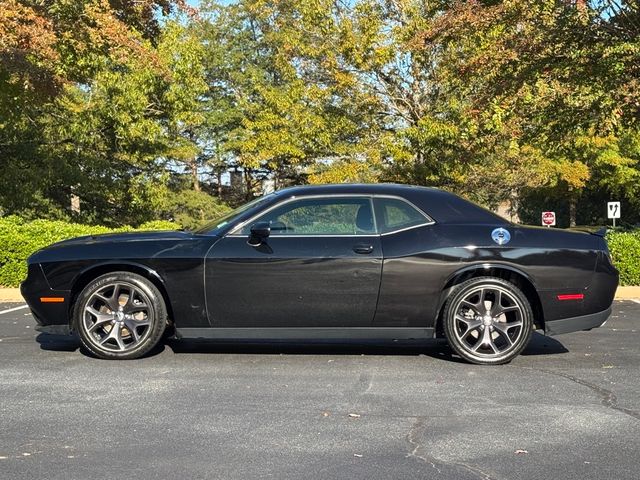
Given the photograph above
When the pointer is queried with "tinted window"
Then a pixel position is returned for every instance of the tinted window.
(395, 214)
(320, 216)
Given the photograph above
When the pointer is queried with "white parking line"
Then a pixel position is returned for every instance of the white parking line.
(14, 309)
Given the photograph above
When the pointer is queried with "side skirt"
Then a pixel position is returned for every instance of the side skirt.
(319, 333)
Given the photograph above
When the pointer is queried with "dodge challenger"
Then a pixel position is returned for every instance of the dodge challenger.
(328, 262)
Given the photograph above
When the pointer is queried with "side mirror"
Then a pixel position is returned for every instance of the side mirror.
(259, 232)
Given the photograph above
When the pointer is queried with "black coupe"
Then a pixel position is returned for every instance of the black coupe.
(328, 262)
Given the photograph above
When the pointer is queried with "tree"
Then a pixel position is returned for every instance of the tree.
(547, 77)
(284, 114)
(107, 105)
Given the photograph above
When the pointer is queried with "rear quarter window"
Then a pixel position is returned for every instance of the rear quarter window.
(395, 214)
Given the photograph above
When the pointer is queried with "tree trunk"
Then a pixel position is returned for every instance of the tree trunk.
(194, 174)
(573, 206)
(248, 186)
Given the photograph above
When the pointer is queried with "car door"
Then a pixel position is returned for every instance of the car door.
(320, 267)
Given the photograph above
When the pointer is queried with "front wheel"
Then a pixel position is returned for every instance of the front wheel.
(120, 315)
(488, 320)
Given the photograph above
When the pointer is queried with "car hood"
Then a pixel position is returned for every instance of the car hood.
(125, 237)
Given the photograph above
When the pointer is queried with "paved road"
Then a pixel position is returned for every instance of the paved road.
(568, 408)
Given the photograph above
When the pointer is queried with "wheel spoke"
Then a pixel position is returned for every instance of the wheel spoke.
(472, 306)
(505, 327)
(114, 334)
(497, 303)
(501, 310)
(95, 326)
(118, 336)
(130, 324)
(115, 296)
(136, 307)
(471, 324)
(101, 317)
(492, 344)
(485, 340)
(109, 336)
(107, 301)
(130, 300)
(504, 333)
(133, 325)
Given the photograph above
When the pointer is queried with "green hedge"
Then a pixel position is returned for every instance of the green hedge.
(19, 239)
(625, 252)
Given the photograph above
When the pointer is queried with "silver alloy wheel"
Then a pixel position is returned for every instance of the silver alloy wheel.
(488, 321)
(118, 317)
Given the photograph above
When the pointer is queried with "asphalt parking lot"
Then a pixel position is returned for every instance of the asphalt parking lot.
(568, 408)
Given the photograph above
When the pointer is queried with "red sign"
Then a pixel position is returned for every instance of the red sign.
(548, 219)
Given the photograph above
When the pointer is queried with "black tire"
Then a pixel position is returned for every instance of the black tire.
(120, 316)
(494, 305)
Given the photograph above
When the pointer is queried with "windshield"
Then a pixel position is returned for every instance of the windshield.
(224, 220)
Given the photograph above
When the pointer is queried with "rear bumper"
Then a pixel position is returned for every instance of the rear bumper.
(576, 324)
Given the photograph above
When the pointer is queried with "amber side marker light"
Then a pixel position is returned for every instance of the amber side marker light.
(571, 296)
(52, 299)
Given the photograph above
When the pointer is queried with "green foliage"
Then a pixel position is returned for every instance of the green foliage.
(140, 116)
(100, 101)
(191, 208)
(625, 252)
(20, 238)
(158, 225)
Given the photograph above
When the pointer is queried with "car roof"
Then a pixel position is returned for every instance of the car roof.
(346, 188)
(442, 206)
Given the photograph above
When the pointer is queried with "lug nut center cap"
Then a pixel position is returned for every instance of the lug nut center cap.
(120, 316)
(487, 320)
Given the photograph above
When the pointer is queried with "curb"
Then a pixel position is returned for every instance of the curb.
(10, 295)
(628, 293)
(13, 294)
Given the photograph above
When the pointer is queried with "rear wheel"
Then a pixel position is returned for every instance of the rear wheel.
(488, 320)
(120, 315)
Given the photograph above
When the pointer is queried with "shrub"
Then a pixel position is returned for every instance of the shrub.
(625, 252)
(20, 238)
(158, 225)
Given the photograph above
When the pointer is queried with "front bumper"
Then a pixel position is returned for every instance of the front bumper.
(576, 324)
(36, 290)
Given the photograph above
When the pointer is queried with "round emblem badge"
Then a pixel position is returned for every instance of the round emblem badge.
(501, 236)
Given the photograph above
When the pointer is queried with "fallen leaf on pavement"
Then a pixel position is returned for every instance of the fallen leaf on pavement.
(520, 452)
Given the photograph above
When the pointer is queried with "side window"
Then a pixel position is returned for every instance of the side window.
(320, 216)
(394, 214)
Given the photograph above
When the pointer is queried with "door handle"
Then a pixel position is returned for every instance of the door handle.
(363, 248)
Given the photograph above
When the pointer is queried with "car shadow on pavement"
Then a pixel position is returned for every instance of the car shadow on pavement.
(543, 345)
(71, 343)
(438, 348)
(58, 343)
(539, 345)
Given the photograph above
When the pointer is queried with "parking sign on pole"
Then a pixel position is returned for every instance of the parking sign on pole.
(549, 219)
(613, 211)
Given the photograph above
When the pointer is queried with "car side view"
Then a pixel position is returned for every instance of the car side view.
(328, 262)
